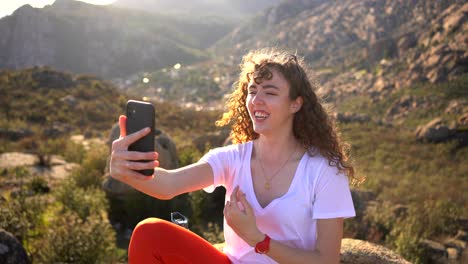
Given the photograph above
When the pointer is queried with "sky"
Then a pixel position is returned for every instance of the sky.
(7, 7)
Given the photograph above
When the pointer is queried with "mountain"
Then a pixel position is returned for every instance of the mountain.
(363, 46)
(237, 10)
(103, 40)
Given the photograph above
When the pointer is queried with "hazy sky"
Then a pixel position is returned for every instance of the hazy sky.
(7, 7)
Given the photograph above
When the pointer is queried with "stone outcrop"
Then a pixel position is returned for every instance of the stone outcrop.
(355, 251)
(434, 131)
(57, 168)
(405, 105)
(397, 44)
(437, 130)
(167, 159)
(11, 250)
(211, 140)
(452, 250)
(348, 117)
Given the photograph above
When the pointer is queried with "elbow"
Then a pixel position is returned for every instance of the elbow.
(165, 196)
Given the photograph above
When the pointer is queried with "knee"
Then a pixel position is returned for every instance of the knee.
(151, 226)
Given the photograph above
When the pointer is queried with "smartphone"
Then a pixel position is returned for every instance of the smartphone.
(140, 115)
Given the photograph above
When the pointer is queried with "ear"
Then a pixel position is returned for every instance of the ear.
(296, 104)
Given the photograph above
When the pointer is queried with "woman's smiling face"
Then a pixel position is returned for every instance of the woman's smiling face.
(269, 105)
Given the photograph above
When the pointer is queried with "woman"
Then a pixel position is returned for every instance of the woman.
(286, 176)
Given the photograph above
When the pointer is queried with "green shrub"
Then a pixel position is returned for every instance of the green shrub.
(74, 152)
(38, 185)
(83, 202)
(188, 155)
(21, 212)
(90, 173)
(431, 218)
(72, 239)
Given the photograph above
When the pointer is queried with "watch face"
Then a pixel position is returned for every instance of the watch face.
(262, 250)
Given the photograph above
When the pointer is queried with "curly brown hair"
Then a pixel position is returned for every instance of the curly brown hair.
(312, 125)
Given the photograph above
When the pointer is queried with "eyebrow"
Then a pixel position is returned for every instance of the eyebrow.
(264, 86)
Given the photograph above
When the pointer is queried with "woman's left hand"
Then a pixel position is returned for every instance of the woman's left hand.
(241, 218)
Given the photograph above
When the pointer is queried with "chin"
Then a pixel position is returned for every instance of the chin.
(259, 130)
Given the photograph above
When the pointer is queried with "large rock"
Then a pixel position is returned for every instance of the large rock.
(434, 131)
(348, 117)
(11, 250)
(167, 159)
(211, 140)
(17, 159)
(434, 251)
(355, 251)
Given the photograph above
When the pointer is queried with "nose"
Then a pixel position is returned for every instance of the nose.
(257, 99)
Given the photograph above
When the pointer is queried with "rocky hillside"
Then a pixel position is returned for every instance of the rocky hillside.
(364, 46)
(102, 40)
(43, 101)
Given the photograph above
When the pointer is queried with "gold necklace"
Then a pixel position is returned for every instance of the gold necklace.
(268, 181)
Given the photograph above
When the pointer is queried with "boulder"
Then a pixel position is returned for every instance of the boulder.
(11, 250)
(17, 159)
(355, 251)
(211, 140)
(462, 122)
(434, 251)
(434, 131)
(348, 117)
(403, 106)
(15, 134)
(454, 21)
(167, 159)
(406, 42)
(455, 107)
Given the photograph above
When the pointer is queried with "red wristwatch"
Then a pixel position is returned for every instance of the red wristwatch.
(263, 247)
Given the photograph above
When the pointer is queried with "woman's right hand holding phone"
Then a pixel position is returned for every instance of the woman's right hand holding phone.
(124, 163)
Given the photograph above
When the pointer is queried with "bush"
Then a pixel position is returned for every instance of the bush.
(84, 202)
(90, 173)
(188, 155)
(20, 214)
(433, 217)
(71, 239)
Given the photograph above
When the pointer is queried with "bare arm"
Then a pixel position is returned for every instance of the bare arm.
(329, 235)
(330, 232)
(164, 184)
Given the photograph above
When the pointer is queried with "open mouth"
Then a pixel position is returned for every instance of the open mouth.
(261, 115)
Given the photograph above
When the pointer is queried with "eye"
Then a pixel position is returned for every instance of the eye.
(252, 92)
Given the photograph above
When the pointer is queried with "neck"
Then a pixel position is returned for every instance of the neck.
(272, 150)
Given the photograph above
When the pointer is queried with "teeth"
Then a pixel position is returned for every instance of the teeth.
(261, 115)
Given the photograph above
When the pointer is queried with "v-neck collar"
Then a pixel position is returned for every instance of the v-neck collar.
(277, 199)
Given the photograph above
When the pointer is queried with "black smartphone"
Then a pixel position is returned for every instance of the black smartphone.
(140, 115)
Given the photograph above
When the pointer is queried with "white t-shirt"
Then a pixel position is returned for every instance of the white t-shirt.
(317, 191)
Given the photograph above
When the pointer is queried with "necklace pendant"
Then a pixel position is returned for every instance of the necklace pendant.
(267, 185)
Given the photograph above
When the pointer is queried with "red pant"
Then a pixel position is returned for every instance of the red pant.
(158, 241)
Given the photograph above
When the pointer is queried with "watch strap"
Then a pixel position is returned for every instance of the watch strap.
(263, 246)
